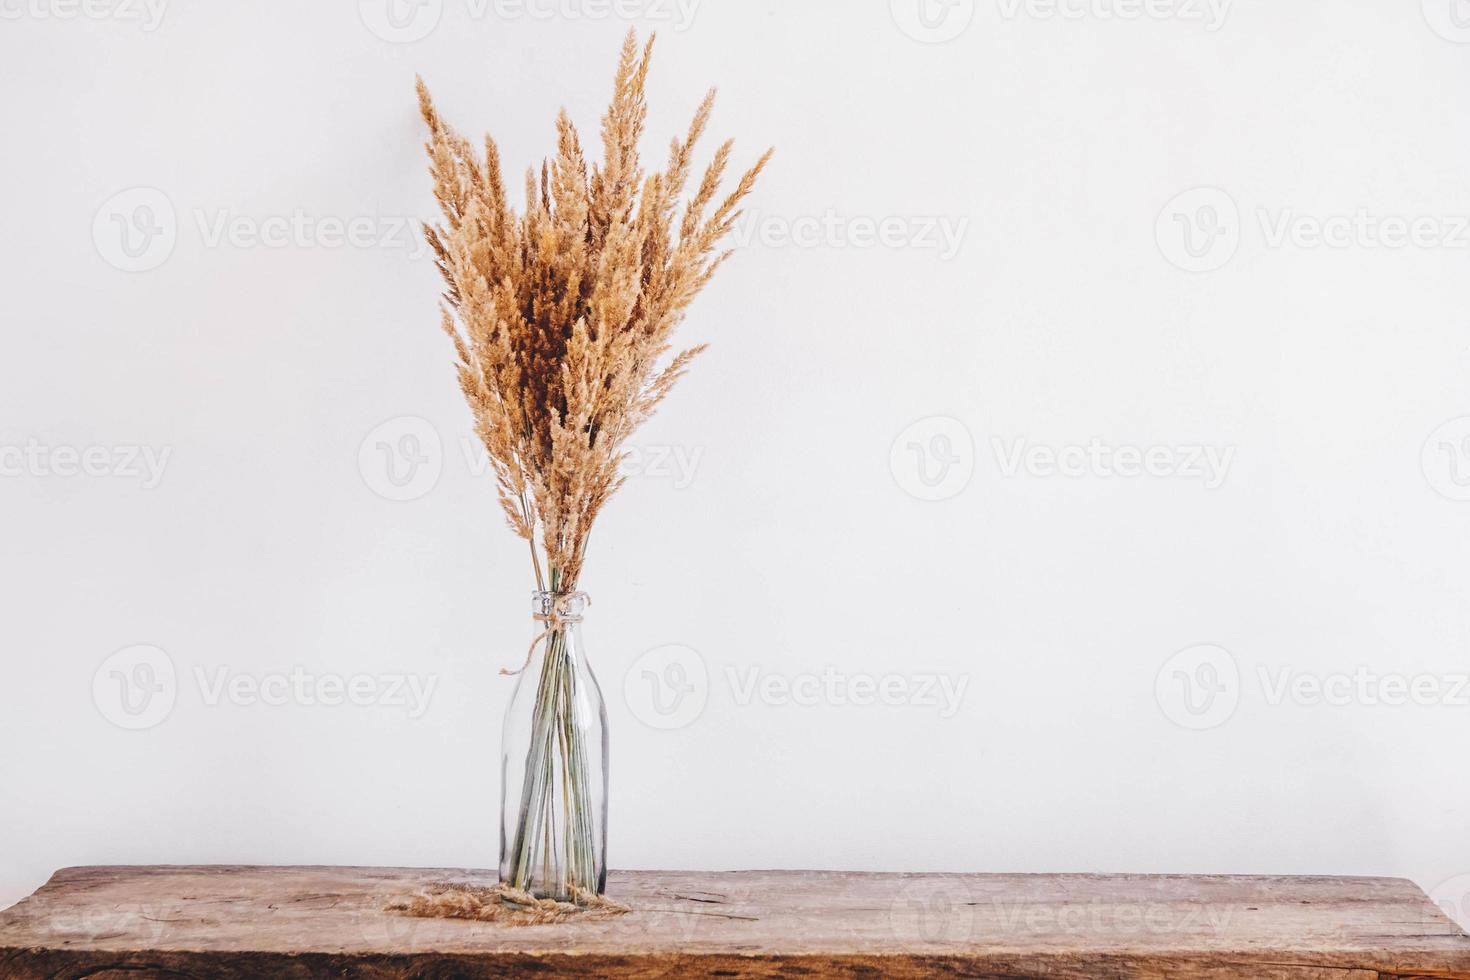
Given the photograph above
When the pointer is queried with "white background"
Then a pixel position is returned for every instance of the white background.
(800, 541)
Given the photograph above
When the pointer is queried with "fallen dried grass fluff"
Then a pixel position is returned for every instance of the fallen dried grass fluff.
(502, 904)
(561, 316)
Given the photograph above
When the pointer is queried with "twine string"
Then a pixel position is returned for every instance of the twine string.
(555, 618)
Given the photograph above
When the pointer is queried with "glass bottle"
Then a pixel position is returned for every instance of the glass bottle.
(553, 766)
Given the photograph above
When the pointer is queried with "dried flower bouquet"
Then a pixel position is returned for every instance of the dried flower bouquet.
(561, 318)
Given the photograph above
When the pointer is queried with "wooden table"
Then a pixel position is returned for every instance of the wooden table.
(137, 923)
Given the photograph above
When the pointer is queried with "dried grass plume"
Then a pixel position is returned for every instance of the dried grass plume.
(561, 315)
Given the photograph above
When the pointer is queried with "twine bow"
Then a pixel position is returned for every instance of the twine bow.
(555, 618)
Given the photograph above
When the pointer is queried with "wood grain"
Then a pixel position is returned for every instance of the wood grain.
(138, 923)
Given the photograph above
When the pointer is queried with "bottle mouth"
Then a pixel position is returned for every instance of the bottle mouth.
(565, 607)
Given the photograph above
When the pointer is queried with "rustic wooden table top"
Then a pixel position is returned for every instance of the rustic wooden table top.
(134, 923)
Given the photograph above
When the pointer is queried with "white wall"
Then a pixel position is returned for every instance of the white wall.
(1053, 148)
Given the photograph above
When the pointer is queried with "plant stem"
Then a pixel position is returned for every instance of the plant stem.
(531, 542)
(556, 764)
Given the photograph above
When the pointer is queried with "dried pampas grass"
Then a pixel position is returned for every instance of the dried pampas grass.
(561, 315)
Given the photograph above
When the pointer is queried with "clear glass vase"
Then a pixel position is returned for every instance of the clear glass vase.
(553, 764)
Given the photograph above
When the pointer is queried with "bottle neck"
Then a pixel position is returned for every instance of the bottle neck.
(555, 610)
